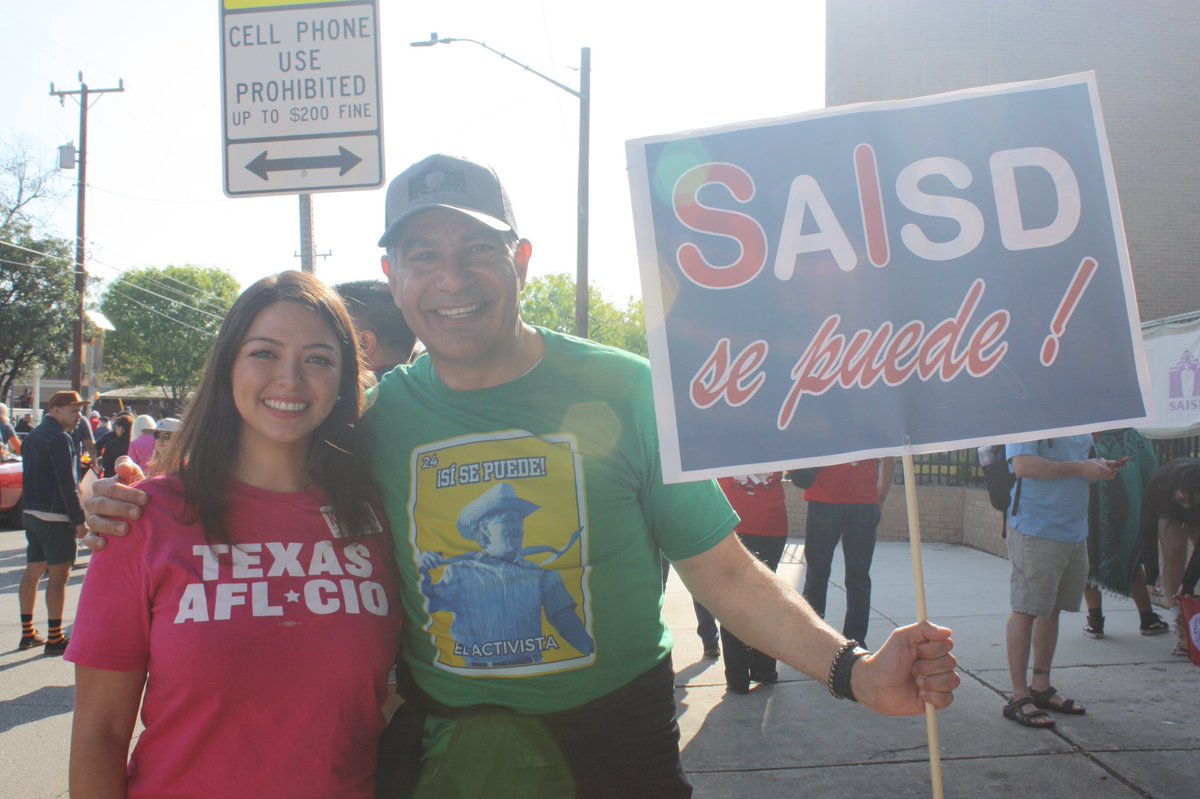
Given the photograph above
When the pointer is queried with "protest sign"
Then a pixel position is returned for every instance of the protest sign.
(896, 277)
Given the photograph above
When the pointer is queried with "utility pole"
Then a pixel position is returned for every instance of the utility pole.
(306, 234)
(80, 276)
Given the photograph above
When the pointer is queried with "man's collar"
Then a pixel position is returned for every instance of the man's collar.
(528, 353)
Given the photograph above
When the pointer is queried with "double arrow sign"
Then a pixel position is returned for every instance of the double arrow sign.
(344, 161)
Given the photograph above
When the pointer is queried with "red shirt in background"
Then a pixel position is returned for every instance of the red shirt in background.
(854, 483)
(758, 500)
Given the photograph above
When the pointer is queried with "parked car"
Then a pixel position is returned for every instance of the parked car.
(10, 492)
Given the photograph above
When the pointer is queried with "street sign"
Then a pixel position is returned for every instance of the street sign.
(300, 96)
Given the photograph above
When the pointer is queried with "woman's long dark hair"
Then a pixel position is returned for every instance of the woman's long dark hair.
(202, 450)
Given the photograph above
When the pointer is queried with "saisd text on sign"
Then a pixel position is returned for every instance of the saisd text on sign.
(904, 276)
(300, 96)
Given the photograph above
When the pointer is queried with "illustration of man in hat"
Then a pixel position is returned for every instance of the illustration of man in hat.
(497, 595)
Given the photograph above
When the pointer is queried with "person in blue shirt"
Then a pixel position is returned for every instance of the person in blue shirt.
(1048, 552)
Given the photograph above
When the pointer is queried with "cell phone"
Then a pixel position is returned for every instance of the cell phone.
(1122, 462)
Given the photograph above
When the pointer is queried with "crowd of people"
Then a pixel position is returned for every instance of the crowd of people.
(490, 519)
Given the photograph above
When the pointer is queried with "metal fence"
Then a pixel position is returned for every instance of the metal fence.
(961, 467)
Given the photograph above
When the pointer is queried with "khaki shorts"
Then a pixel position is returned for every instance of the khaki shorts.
(1046, 575)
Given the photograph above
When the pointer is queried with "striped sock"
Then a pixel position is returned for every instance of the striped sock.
(55, 634)
(27, 630)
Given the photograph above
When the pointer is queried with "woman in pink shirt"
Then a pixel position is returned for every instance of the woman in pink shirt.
(141, 444)
(251, 611)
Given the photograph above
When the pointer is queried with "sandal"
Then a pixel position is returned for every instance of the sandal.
(1036, 718)
(1042, 700)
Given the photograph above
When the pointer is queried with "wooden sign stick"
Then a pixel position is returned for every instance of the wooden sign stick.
(914, 540)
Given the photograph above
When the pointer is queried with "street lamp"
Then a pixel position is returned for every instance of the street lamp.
(585, 101)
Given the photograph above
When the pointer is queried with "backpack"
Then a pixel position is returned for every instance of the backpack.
(804, 478)
(997, 477)
(999, 481)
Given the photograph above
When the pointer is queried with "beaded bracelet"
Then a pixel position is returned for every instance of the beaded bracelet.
(839, 671)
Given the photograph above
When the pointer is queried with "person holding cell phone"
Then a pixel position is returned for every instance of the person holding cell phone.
(1115, 555)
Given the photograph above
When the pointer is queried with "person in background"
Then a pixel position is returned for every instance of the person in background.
(53, 518)
(1047, 549)
(844, 503)
(25, 424)
(763, 528)
(257, 593)
(1171, 520)
(706, 623)
(706, 628)
(385, 338)
(115, 445)
(162, 437)
(83, 438)
(102, 433)
(1114, 524)
(8, 436)
(141, 441)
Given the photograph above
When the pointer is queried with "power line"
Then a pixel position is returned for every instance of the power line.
(157, 312)
(130, 299)
(51, 256)
(27, 263)
(193, 298)
(145, 290)
(207, 297)
(182, 297)
(119, 293)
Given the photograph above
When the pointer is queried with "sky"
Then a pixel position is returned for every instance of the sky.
(154, 184)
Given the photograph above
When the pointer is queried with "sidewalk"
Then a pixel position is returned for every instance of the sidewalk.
(1140, 737)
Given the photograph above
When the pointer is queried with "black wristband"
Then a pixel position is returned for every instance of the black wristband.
(839, 670)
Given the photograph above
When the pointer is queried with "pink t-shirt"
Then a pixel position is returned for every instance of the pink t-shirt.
(142, 450)
(267, 670)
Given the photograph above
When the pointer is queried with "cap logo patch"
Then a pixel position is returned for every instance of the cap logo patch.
(435, 180)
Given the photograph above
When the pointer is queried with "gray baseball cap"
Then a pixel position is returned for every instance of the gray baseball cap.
(447, 181)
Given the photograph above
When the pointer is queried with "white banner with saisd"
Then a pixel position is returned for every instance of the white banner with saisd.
(1173, 354)
(888, 278)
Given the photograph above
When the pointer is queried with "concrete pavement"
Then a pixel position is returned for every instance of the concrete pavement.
(1140, 737)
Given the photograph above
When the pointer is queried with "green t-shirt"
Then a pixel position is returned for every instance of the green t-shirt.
(572, 610)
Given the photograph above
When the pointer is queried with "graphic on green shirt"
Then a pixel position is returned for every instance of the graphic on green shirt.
(501, 560)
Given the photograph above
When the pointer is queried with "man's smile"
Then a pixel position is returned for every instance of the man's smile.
(459, 312)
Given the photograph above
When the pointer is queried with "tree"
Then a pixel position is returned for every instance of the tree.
(24, 185)
(37, 290)
(166, 321)
(549, 301)
(36, 274)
